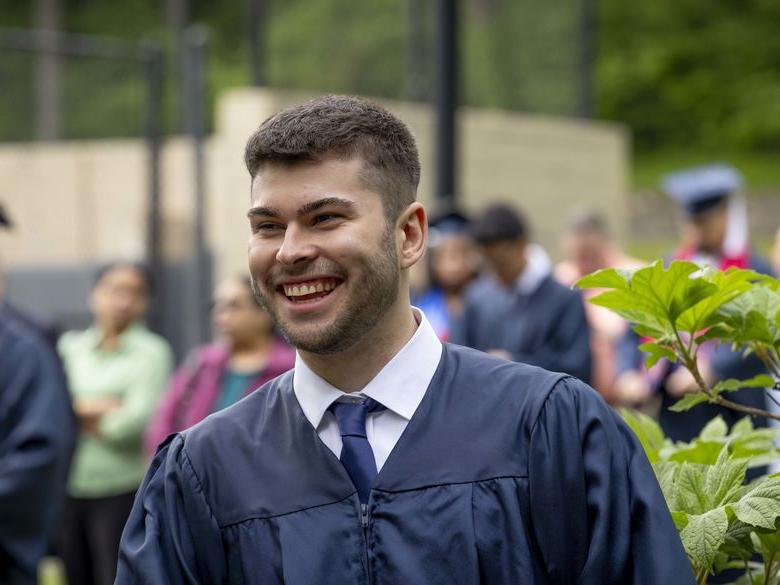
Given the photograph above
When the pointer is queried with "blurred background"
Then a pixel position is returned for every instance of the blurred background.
(122, 124)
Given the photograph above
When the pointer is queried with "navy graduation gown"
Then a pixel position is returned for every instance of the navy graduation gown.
(528, 479)
(37, 436)
(546, 328)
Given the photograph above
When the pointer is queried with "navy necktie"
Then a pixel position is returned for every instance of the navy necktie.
(356, 454)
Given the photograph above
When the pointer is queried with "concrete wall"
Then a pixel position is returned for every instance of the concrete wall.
(85, 202)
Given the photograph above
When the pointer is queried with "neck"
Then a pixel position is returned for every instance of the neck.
(514, 271)
(353, 368)
(109, 336)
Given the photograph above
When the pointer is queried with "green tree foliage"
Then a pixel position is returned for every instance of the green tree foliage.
(688, 74)
(692, 73)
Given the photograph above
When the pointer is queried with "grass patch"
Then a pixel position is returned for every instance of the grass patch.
(761, 170)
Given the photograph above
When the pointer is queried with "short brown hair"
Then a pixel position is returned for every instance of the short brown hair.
(343, 126)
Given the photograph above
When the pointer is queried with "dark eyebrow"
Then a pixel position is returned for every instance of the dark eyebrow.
(264, 211)
(326, 202)
(304, 209)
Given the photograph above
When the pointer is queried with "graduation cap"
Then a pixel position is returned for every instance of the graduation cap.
(449, 222)
(699, 189)
(5, 221)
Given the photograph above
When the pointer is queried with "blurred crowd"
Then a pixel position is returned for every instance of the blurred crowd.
(81, 415)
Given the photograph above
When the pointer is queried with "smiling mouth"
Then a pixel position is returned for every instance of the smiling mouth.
(310, 290)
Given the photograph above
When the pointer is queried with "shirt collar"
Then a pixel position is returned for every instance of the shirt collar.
(400, 386)
(537, 268)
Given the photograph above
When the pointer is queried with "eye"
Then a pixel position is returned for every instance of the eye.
(265, 227)
(325, 217)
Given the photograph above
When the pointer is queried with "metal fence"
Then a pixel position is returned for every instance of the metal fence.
(55, 87)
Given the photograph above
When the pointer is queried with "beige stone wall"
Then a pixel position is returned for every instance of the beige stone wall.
(86, 201)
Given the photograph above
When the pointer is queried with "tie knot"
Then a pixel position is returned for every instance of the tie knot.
(351, 416)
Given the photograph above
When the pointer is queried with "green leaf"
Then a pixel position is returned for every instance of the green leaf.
(738, 541)
(729, 285)
(608, 278)
(647, 430)
(742, 427)
(718, 332)
(753, 316)
(657, 352)
(649, 332)
(768, 543)
(653, 296)
(690, 494)
(666, 473)
(698, 451)
(759, 381)
(688, 401)
(724, 479)
(757, 444)
(715, 429)
(704, 534)
(680, 520)
(761, 505)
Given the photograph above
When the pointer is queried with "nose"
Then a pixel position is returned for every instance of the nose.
(296, 247)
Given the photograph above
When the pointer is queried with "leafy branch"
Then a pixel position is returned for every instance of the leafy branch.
(680, 308)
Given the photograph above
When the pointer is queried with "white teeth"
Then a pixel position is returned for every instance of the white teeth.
(308, 289)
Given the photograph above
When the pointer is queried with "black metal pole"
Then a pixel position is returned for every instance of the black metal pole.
(196, 39)
(256, 28)
(446, 98)
(414, 52)
(586, 66)
(153, 64)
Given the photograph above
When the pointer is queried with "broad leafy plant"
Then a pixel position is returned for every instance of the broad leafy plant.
(679, 308)
(724, 522)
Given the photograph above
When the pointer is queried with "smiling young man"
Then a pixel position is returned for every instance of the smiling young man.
(386, 456)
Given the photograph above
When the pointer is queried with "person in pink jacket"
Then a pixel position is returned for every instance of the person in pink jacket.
(246, 355)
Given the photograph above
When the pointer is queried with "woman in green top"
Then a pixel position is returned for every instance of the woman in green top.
(117, 371)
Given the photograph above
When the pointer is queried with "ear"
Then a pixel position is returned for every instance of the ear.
(412, 230)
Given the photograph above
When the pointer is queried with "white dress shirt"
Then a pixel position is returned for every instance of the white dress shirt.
(538, 267)
(399, 386)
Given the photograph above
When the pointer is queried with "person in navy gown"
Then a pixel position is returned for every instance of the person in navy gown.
(520, 311)
(386, 456)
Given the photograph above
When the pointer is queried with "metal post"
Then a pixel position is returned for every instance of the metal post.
(196, 39)
(153, 66)
(446, 98)
(48, 78)
(256, 12)
(414, 52)
(585, 69)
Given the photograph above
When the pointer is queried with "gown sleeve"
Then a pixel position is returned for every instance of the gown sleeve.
(37, 435)
(171, 536)
(597, 512)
